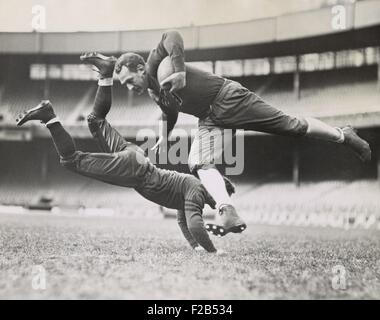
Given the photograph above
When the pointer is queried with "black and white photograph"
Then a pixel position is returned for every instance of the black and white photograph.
(190, 150)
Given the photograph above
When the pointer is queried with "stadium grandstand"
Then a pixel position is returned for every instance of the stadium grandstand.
(314, 70)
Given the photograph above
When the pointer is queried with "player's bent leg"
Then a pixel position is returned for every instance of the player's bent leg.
(104, 65)
(103, 98)
(319, 130)
(108, 138)
(205, 150)
(347, 136)
(44, 112)
(238, 107)
(111, 168)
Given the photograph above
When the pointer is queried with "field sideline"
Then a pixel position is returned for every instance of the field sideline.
(124, 258)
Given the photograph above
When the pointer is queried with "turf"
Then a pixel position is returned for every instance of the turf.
(123, 258)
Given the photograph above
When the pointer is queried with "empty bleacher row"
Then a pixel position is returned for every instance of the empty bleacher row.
(255, 202)
(72, 101)
(65, 96)
(328, 197)
(323, 93)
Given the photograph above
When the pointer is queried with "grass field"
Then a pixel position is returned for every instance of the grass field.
(124, 258)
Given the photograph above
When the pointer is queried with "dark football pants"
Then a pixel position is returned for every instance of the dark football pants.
(113, 166)
(236, 107)
(118, 166)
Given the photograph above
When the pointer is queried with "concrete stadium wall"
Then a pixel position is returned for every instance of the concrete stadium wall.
(367, 13)
(283, 28)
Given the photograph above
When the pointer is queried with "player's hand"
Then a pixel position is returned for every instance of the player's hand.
(176, 80)
(221, 252)
(153, 95)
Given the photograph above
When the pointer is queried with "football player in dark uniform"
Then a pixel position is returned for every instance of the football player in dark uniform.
(219, 103)
(123, 163)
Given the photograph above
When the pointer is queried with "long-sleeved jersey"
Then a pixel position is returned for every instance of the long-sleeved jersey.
(201, 87)
(130, 168)
(183, 192)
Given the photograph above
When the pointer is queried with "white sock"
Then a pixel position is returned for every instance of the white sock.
(319, 130)
(215, 185)
(51, 121)
(106, 82)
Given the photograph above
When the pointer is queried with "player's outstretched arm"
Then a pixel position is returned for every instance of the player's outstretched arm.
(181, 220)
(194, 220)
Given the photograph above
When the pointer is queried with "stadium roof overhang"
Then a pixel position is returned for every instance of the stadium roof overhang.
(351, 39)
(297, 33)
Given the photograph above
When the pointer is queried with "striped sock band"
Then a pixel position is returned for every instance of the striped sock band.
(51, 121)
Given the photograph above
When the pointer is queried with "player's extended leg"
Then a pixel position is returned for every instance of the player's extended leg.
(111, 168)
(207, 147)
(239, 108)
(109, 140)
(45, 114)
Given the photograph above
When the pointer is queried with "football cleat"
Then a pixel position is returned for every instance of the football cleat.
(104, 65)
(215, 229)
(357, 144)
(220, 231)
(43, 112)
(230, 219)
